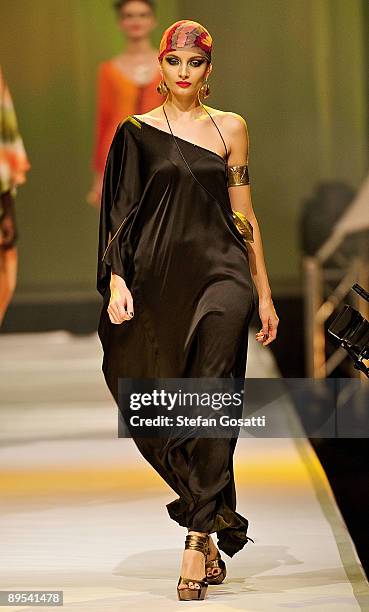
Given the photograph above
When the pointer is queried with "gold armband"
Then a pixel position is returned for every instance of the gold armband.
(243, 225)
(238, 175)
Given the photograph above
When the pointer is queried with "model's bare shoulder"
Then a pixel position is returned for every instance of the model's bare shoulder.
(232, 123)
(235, 127)
(236, 132)
(235, 123)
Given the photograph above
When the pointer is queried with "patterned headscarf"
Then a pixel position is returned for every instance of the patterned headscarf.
(185, 33)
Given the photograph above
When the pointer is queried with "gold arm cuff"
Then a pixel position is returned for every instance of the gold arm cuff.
(238, 175)
(243, 225)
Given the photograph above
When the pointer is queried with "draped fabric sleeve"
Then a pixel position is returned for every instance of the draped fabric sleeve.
(121, 193)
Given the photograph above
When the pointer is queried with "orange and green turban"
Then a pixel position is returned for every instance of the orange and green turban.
(185, 33)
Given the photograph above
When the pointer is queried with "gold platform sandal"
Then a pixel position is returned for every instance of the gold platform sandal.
(217, 562)
(200, 543)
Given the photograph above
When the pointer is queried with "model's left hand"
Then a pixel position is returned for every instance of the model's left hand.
(269, 320)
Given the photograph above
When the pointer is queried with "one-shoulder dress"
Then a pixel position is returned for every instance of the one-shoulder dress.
(187, 267)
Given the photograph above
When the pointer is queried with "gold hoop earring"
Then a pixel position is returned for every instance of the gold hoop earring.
(204, 90)
(162, 88)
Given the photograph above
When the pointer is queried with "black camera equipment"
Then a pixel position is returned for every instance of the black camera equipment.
(352, 330)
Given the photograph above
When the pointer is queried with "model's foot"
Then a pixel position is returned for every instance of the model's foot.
(213, 551)
(193, 565)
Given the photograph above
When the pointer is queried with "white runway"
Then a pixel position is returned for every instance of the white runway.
(83, 512)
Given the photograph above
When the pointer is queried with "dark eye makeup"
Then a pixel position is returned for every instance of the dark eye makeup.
(173, 60)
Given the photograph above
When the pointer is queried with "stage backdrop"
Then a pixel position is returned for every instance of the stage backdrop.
(295, 69)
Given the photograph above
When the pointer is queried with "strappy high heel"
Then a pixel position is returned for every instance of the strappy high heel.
(217, 562)
(200, 543)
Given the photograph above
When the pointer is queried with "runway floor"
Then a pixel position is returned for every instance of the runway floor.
(83, 512)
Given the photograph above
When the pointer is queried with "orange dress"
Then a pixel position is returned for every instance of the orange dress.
(117, 97)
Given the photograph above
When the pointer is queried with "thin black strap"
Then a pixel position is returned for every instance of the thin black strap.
(218, 131)
(188, 166)
(228, 212)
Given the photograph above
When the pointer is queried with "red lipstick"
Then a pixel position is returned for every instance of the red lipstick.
(183, 83)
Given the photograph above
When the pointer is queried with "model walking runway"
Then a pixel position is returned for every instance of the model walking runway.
(89, 517)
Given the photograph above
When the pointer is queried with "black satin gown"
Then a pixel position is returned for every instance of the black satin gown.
(187, 268)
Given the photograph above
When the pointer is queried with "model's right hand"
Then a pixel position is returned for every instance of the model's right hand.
(120, 306)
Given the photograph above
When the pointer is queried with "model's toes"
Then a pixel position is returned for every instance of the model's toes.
(193, 585)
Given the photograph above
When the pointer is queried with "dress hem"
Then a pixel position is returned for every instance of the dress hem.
(230, 526)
